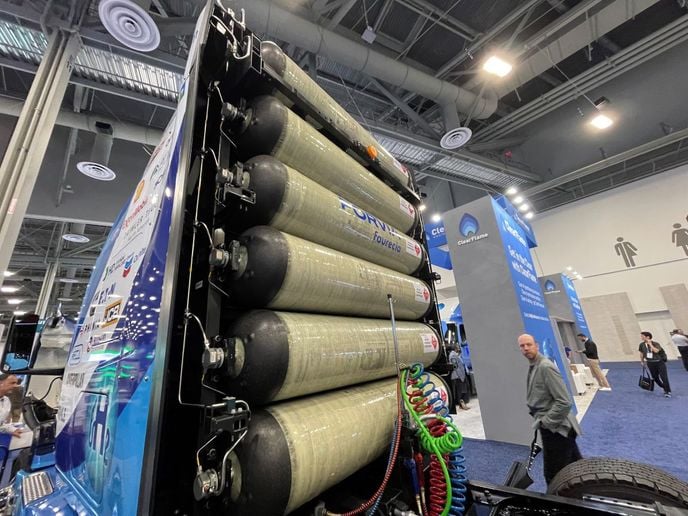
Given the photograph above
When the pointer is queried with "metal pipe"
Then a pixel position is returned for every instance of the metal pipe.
(267, 18)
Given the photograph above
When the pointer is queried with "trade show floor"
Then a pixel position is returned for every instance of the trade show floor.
(613, 426)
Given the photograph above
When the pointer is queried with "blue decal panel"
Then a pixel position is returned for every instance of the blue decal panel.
(579, 316)
(518, 219)
(435, 235)
(529, 295)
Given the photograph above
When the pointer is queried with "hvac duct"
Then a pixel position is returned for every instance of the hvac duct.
(86, 122)
(282, 355)
(266, 17)
(102, 144)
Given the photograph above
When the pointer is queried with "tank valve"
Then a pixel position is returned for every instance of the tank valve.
(236, 176)
(213, 358)
(232, 113)
(207, 484)
(219, 258)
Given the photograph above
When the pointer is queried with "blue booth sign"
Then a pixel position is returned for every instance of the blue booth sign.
(434, 233)
(517, 217)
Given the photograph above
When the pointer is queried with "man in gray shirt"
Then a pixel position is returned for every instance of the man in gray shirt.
(550, 405)
(681, 342)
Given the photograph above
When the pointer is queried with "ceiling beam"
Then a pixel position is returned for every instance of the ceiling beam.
(428, 144)
(647, 48)
(608, 162)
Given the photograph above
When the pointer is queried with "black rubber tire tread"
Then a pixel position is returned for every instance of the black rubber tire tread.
(618, 478)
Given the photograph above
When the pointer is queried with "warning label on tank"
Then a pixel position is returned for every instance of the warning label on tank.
(430, 342)
(413, 248)
(422, 293)
(401, 167)
(406, 206)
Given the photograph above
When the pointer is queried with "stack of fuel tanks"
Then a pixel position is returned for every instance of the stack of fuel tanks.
(309, 253)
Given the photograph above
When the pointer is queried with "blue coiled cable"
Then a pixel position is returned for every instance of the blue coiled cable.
(457, 474)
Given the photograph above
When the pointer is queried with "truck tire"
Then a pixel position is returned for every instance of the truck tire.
(617, 478)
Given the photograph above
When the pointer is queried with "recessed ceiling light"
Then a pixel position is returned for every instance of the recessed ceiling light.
(524, 207)
(19, 312)
(9, 290)
(422, 207)
(69, 280)
(574, 273)
(14, 301)
(7, 274)
(77, 239)
(64, 299)
(96, 171)
(530, 215)
(569, 268)
(519, 199)
(436, 217)
(497, 66)
(601, 121)
(512, 190)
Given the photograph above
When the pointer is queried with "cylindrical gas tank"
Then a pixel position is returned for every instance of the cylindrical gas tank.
(291, 202)
(295, 450)
(282, 355)
(275, 130)
(280, 271)
(298, 79)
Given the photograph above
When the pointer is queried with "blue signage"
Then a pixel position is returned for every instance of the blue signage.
(579, 317)
(518, 219)
(434, 233)
(440, 258)
(529, 295)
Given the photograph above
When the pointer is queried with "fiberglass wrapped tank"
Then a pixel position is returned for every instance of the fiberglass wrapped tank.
(271, 128)
(290, 202)
(283, 272)
(295, 450)
(282, 355)
(297, 79)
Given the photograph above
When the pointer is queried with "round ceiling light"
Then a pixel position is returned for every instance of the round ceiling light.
(129, 24)
(69, 280)
(77, 239)
(456, 138)
(95, 171)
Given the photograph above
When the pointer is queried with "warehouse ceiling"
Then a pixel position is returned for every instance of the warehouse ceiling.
(530, 129)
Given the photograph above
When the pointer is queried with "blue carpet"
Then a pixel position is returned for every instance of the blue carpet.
(613, 426)
(617, 421)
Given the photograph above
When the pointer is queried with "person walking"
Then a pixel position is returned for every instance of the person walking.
(681, 342)
(550, 406)
(652, 355)
(458, 379)
(593, 360)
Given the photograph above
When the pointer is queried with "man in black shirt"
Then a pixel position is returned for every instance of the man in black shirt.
(590, 353)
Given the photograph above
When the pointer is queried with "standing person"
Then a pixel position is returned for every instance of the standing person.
(593, 357)
(681, 342)
(652, 354)
(550, 406)
(8, 382)
(458, 379)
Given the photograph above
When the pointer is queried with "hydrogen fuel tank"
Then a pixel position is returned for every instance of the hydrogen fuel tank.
(297, 449)
(282, 355)
(280, 271)
(289, 201)
(306, 87)
(271, 128)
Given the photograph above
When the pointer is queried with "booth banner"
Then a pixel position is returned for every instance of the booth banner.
(529, 295)
(517, 217)
(581, 323)
(434, 233)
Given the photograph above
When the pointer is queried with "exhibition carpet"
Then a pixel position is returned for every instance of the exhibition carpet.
(626, 422)
(642, 426)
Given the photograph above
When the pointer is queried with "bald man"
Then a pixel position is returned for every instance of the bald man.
(550, 406)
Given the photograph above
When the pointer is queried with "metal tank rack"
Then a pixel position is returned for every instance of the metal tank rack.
(300, 232)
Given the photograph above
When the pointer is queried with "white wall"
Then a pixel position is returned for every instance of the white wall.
(583, 235)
